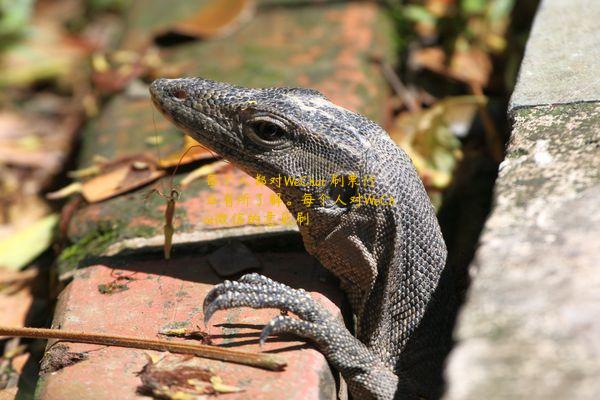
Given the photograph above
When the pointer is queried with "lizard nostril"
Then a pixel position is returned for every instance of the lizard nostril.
(180, 94)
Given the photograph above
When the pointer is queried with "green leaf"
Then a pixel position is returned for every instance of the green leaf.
(14, 19)
(500, 9)
(473, 6)
(418, 14)
(25, 245)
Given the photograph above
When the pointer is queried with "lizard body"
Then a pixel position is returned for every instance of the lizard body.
(389, 257)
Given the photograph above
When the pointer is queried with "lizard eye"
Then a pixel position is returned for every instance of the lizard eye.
(267, 133)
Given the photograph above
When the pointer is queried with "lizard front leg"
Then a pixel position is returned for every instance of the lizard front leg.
(366, 375)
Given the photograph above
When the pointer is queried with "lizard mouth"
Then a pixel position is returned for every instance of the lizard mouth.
(194, 123)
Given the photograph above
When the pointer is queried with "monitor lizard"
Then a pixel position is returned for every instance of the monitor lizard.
(390, 257)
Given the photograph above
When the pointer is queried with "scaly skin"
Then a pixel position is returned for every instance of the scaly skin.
(389, 258)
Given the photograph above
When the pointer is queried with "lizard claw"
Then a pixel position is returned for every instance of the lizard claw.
(257, 291)
(284, 324)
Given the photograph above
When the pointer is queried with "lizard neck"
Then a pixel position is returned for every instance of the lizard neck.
(389, 258)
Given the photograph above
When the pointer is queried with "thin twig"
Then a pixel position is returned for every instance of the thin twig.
(260, 360)
(397, 85)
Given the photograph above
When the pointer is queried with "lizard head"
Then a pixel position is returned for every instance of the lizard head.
(291, 132)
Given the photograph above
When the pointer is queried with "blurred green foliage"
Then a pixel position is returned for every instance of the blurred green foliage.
(14, 19)
(481, 22)
(107, 5)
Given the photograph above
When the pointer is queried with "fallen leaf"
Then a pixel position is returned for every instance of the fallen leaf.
(19, 249)
(12, 125)
(18, 156)
(64, 192)
(432, 58)
(8, 278)
(84, 172)
(220, 387)
(120, 178)
(16, 295)
(176, 377)
(216, 18)
(47, 52)
(112, 79)
(472, 66)
(190, 151)
(35, 138)
(429, 137)
(59, 357)
(203, 171)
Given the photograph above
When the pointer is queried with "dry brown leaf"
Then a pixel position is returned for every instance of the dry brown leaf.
(33, 140)
(176, 377)
(16, 155)
(472, 66)
(190, 151)
(432, 58)
(203, 171)
(220, 387)
(217, 18)
(35, 137)
(16, 296)
(21, 212)
(120, 179)
(429, 136)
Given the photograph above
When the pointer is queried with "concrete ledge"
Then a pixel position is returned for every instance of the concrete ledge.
(530, 326)
(562, 58)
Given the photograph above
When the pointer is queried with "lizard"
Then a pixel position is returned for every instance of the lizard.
(390, 258)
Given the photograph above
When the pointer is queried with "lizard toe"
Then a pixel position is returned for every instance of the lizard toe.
(273, 295)
(285, 324)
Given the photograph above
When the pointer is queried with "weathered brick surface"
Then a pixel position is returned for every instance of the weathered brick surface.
(325, 45)
(170, 294)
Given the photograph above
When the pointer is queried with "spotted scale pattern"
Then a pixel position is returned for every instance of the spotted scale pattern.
(391, 260)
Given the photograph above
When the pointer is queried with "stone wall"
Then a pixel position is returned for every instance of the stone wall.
(530, 327)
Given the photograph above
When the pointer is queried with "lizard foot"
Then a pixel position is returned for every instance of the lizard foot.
(257, 291)
(363, 370)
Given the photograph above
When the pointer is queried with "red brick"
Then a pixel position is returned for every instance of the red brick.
(172, 292)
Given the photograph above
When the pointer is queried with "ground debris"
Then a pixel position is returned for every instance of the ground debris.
(186, 333)
(59, 357)
(181, 378)
(119, 284)
(214, 19)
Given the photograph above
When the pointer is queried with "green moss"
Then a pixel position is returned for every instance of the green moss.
(91, 246)
(516, 153)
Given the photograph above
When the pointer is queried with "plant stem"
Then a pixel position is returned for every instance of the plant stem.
(265, 361)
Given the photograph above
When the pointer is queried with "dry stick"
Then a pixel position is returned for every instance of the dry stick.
(265, 361)
(399, 88)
